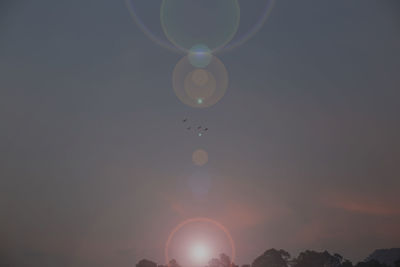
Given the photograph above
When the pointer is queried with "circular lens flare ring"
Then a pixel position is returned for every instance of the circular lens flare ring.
(200, 87)
(253, 31)
(212, 22)
(164, 42)
(194, 220)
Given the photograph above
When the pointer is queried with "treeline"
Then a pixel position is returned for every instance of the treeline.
(281, 258)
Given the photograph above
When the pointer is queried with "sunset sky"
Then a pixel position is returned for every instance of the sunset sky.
(96, 165)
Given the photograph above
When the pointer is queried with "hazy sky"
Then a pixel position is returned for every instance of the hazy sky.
(96, 168)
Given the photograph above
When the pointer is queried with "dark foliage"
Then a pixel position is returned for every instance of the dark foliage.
(281, 258)
(222, 261)
(387, 256)
(146, 263)
(317, 259)
(272, 258)
(371, 263)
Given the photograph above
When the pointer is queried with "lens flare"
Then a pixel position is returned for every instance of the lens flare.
(251, 16)
(199, 184)
(187, 23)
(202, 251)
(200, 87)
(200, 56)
(200, 157)
(256, 15)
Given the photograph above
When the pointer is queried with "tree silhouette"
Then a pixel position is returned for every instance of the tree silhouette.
(281, 258)
(222, 261)
(272, 258)
(347, 263)
(173, 263)
(317, 259)
(371, 263)
(146, 263)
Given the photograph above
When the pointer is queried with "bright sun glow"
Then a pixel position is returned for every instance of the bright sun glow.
(200, 253)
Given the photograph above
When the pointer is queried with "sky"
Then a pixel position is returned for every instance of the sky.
(96, 166)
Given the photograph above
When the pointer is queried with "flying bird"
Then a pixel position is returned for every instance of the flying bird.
(199, 130)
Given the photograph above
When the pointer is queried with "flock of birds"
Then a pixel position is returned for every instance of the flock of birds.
(200, 130)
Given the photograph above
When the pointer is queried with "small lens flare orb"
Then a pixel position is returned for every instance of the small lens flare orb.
(200, 253)
(200, 87)
(200, 77)
(200, 157)
(200, 56)
(200, 84)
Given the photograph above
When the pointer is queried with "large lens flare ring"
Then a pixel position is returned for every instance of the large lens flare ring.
(240, 40)
(163, 41)
(195, 220)
(210, 22)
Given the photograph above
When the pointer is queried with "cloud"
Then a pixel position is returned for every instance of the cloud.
(362, 205)
(367, 208)
(245, 215)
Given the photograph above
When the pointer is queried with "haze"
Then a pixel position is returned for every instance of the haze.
(96, 167)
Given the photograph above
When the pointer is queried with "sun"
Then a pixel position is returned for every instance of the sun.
(196, 245)
(200, 253)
